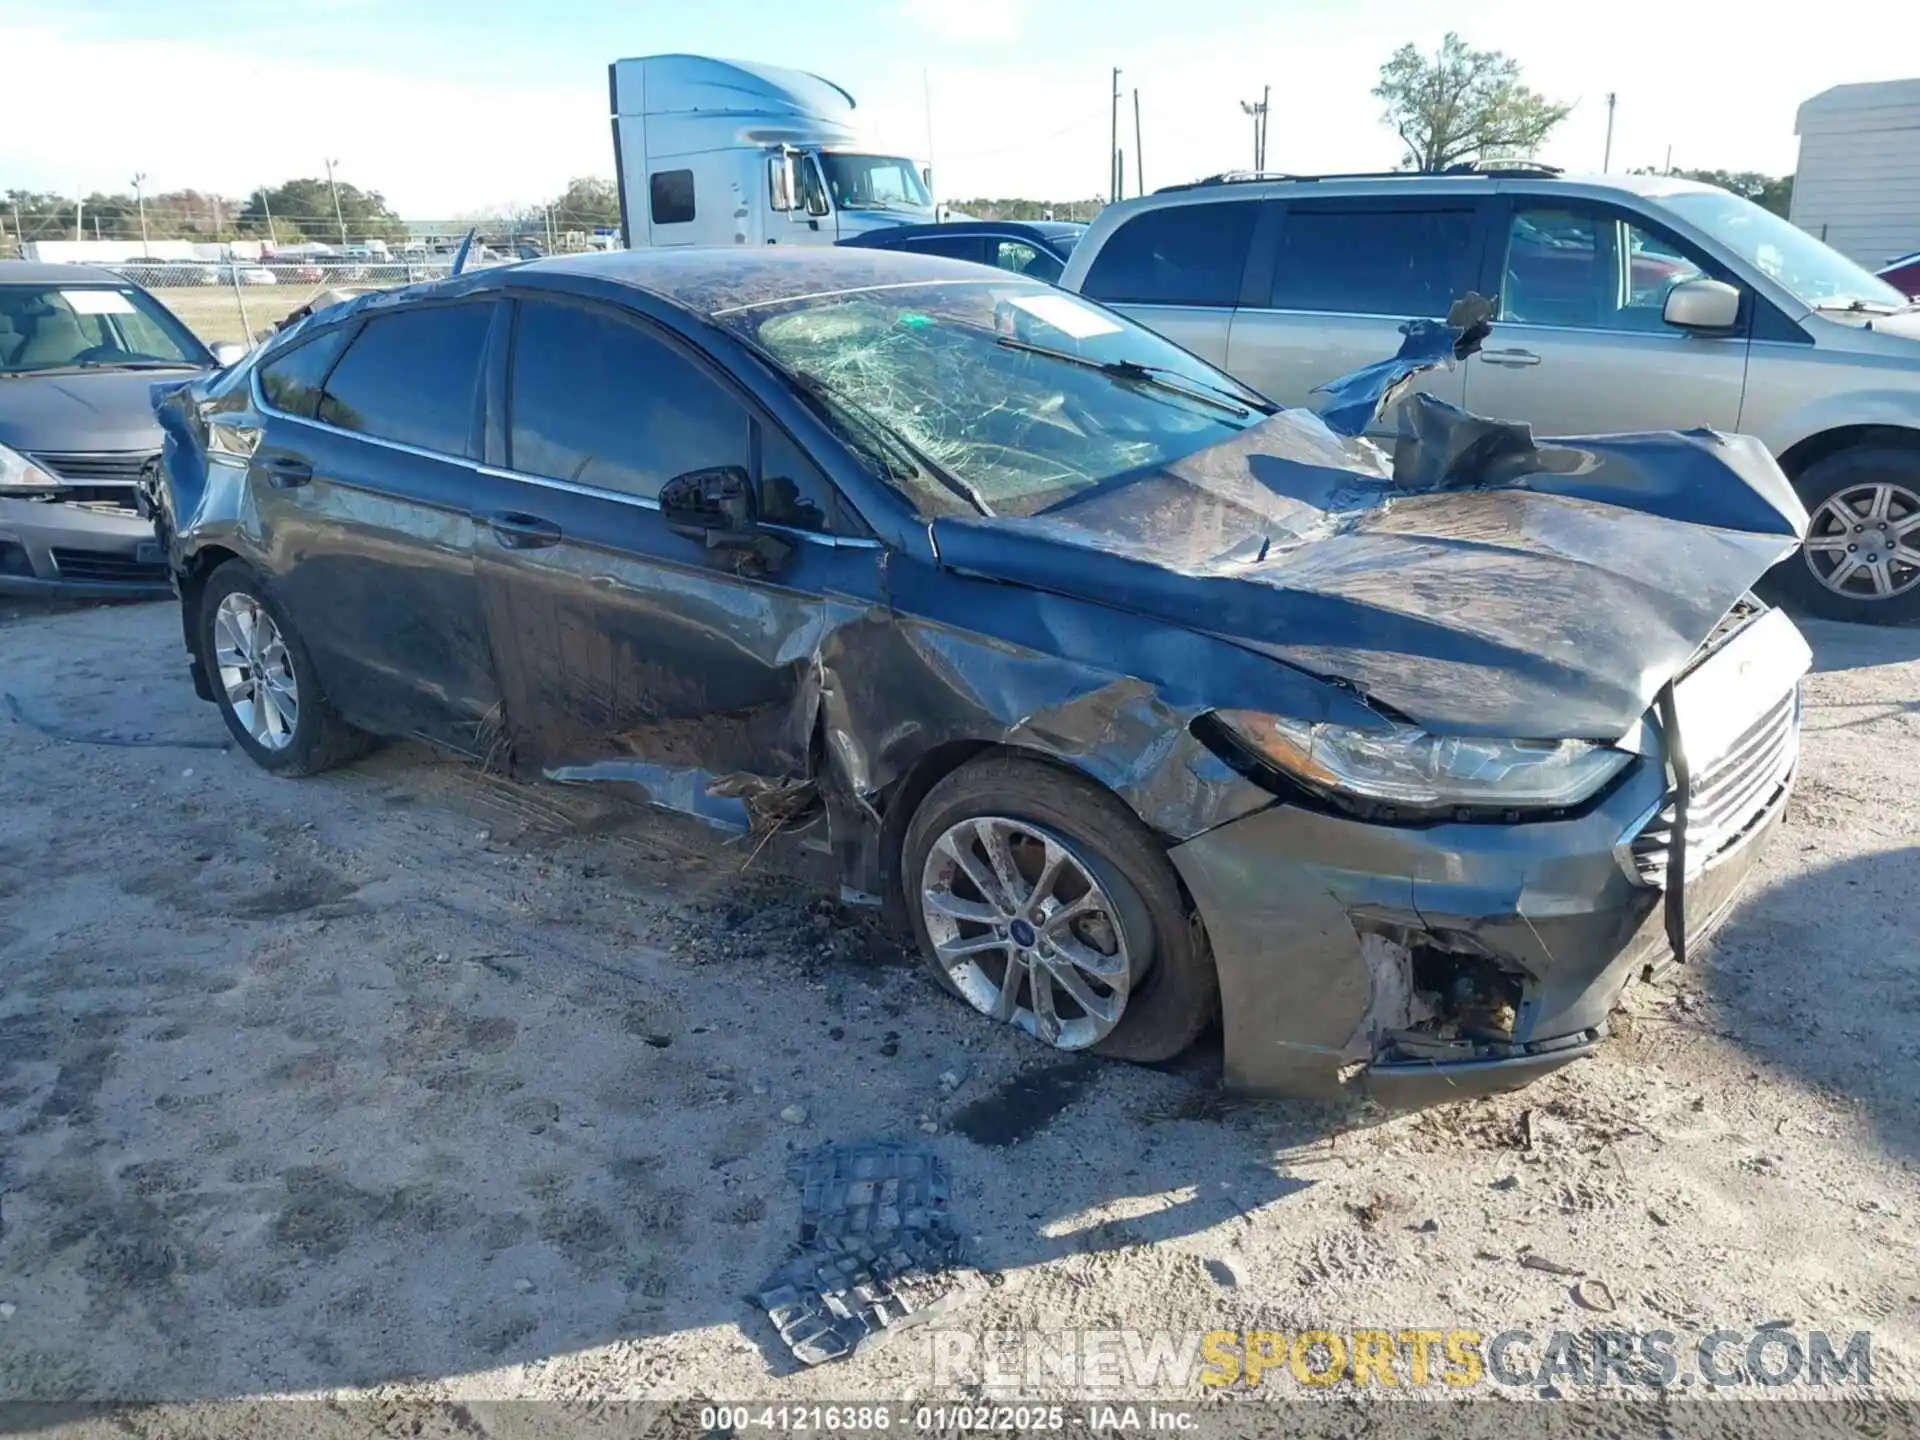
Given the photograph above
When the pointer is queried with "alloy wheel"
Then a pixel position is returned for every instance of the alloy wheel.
(256, 672)
(1026, 932)
(1863, 542)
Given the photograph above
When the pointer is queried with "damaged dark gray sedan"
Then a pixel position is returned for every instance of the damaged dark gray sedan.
(1146, 702)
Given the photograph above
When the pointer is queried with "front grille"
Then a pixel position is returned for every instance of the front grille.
(1731, 794)
(103, 567)
(110, 467)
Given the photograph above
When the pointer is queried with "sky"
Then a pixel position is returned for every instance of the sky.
(453, 107)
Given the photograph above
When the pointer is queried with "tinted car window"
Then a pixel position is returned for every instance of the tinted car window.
(410, 376)
(1177, 255)
(292, 381)
(954, 247)
(1580, 267)
(596, 400)
(1375, 262)
(1024, 259)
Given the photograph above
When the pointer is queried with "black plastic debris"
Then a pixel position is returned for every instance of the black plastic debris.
(878, 1250)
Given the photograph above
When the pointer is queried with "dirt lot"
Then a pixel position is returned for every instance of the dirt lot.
(411, 1080)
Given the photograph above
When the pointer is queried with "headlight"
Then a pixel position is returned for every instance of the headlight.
(1404, 766)
(19, 473)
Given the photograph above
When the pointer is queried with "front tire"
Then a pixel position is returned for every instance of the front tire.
(263, 680)
(1861, 559)
(1039, 899)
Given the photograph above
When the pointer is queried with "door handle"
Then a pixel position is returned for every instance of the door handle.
(519, 531)
(286, 471)
(1510, 357)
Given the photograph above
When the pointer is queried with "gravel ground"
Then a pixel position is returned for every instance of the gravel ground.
(414, 1082)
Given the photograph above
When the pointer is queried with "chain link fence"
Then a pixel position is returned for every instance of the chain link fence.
(241, 299)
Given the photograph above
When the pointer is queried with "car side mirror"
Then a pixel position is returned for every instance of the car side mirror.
(1702, 304)
(227, 352)
(718, 509)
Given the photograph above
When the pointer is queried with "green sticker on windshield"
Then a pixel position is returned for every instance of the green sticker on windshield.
(916, 322)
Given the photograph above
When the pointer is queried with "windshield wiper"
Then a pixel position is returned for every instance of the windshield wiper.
(907, 461)
(1135, 373)
(1855, 306)
(82, 367)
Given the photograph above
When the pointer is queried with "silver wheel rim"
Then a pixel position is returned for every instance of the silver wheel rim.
(1864, 542)
(1025, 931)
(256, 672)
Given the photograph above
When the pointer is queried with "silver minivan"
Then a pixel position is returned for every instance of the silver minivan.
(1626, 303)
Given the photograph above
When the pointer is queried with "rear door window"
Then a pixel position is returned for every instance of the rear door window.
(954, 247)
(1175, 255)
(412, 376)
(1402, 263)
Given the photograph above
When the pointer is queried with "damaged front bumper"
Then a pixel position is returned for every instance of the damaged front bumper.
(79, 552)
(1436, 963)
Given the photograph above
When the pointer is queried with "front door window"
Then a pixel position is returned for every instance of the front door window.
(1583, 268)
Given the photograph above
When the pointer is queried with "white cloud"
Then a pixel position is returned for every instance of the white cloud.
(969, 22)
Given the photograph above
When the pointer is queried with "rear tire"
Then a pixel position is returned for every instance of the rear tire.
(1858, 500)
(1169, 991)
(264, 682)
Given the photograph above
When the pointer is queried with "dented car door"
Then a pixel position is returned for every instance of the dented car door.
(626, 651)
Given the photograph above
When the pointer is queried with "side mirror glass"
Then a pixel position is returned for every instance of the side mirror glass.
(815, 189)
(227, 352)
(1702, 304)
(780, 181)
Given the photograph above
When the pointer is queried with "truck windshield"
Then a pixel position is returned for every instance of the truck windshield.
(1816, 275)
(874, 182)
(1024, 395)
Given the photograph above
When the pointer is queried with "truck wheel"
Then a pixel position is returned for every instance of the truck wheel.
(1039, 899)
(264, 682)
(1861, 560)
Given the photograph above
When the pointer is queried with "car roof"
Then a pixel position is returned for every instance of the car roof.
(41, 272)
(1252, 187)
(708, 280)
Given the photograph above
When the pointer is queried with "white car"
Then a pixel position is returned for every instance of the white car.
(246, 272)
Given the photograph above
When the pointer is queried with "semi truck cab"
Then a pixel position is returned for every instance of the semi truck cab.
(728, 152)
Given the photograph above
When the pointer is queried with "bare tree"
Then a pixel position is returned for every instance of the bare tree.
(1458, 104)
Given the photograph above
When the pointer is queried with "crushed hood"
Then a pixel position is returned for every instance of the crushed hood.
(1476, 582)
(104, 410)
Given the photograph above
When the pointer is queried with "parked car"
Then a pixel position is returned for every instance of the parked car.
(1903, 274)
(245, 272)
(80, 350)
(168, 274)
(1038, 248)
(1136, 694)
(1627, 302)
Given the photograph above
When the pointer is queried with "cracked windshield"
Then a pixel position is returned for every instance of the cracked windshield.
(1024, 395)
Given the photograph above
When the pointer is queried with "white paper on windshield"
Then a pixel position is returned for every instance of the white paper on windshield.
(97, 302)
(1065, 313)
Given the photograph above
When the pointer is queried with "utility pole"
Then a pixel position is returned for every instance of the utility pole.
(1669, 159)
(1266, 109)
(140, 201)
(335, 190)
(1258, 110)
(1606, 159)
(78, 206)
(1114, 196)
(1139, 168)
(266, 204)
(926, 100)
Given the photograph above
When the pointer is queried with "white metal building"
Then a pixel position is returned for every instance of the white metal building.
(1858, 182)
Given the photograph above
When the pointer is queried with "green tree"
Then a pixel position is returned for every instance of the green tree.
(1459, 104)
(304, 210)
(1771, 192)
(587, 203)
